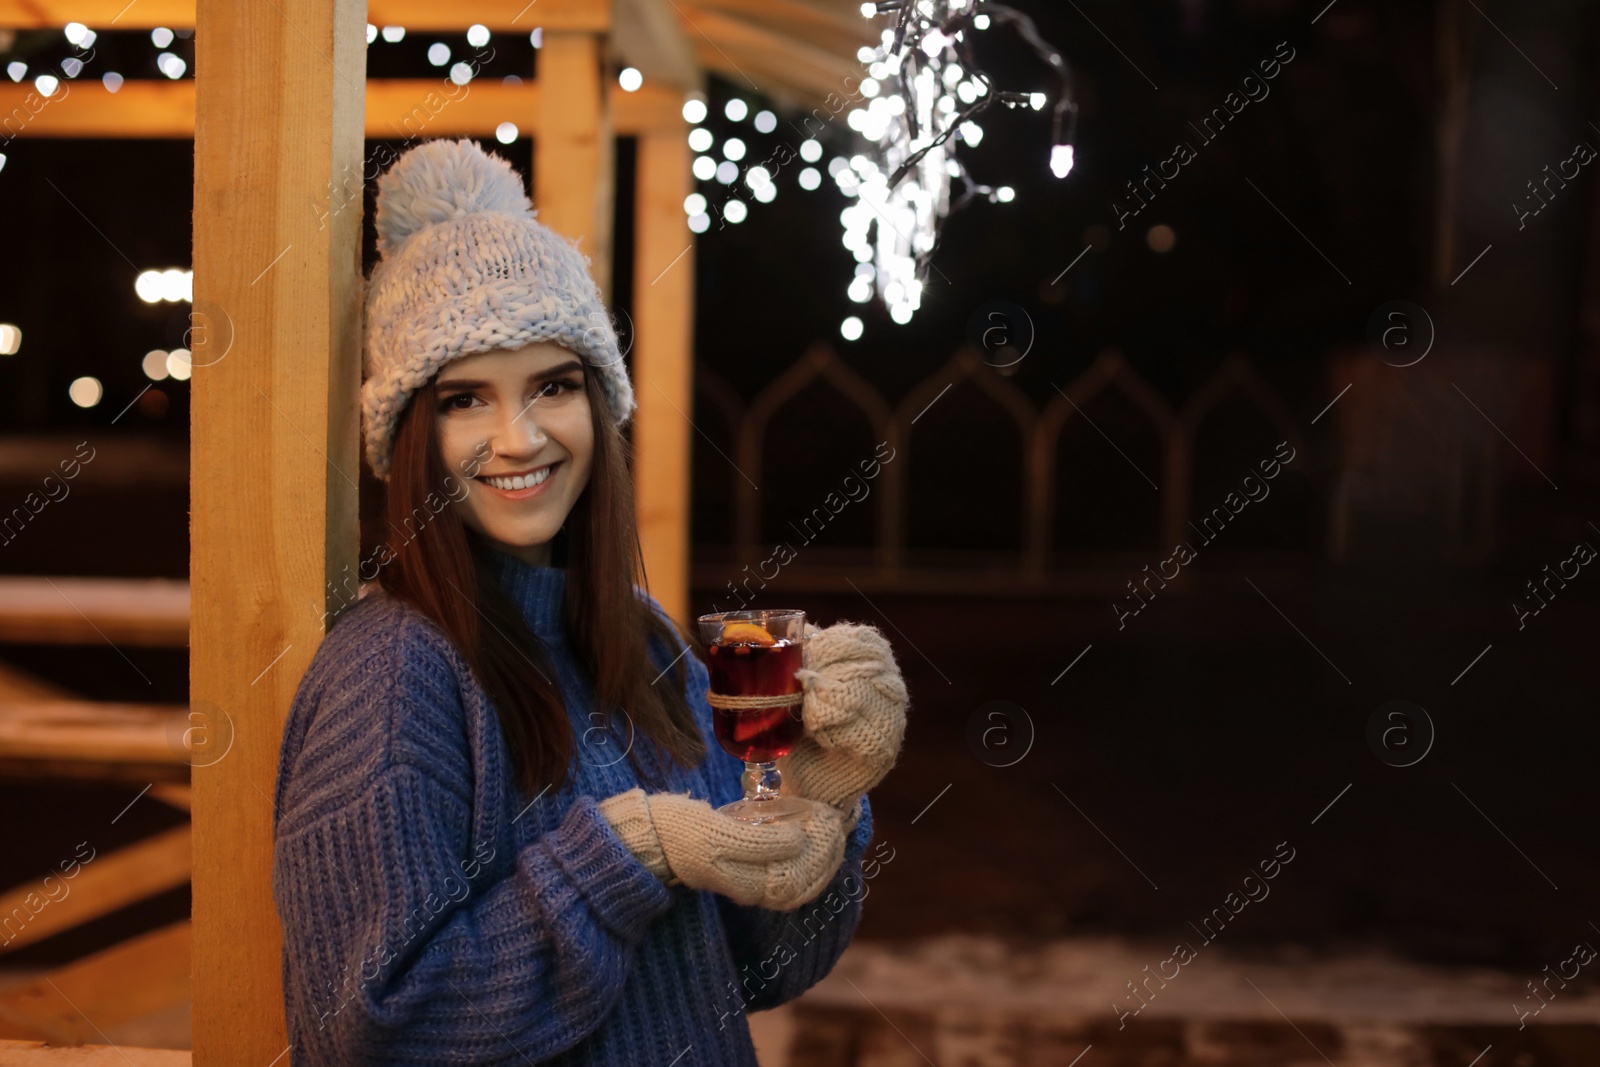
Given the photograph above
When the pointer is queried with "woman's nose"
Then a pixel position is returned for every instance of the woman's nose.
(519, 433)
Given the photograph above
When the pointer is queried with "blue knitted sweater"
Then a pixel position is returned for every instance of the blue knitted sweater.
(434, 914)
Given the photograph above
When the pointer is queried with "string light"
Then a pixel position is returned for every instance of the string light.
(918, 105)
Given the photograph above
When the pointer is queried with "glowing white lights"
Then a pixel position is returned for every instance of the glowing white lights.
(393, 34)
(700, 139)
(630, 79)
(811, 150)
(761, 184)
(438, 53)
(704, 168)
(154, 365)
(477, 35)
(810, 178)
(733, 148)
(694, 110)
(901, 184)
(461, 73)
(111, 80)
(180, 364)
(161, 37)
(10, 339)
(48, 83)
(700, 223)
(86, 392)
(372, 33)
(536, 38)
(170, 65)
(172, 285)
(735, 211)
(1061, 160)
(506, 132)
(727, 171)
(766, 122)
(16, 70)
(79, 35)
(694, 204)
(736, 109)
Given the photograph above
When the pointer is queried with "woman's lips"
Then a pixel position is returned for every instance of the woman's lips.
(523, 494)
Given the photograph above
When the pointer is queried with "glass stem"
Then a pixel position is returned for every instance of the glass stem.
(762, 780)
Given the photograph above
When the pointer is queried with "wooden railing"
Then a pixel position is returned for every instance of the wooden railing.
(1019, 465)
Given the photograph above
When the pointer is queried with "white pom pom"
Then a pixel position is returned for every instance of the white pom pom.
(442, 180)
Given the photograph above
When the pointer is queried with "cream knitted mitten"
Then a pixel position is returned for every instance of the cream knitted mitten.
(779, 865)
(855, 715)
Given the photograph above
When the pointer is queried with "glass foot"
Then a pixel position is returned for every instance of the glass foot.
(769, 809)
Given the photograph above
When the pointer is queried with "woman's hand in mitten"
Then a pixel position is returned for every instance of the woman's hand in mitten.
(679, 838)
(855, 716)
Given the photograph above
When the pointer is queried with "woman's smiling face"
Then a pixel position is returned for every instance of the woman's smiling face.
(526, 409)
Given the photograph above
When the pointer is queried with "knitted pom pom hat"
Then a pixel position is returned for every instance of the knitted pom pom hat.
(464, 267)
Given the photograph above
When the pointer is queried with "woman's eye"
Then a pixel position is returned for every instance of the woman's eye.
(558, 387)
(449, 403)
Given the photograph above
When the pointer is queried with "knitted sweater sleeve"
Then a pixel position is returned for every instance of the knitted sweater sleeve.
(408, 942)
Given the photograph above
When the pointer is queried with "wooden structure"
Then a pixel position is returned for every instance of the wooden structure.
(278, 110)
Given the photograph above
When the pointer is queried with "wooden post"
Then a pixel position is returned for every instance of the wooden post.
(663, 363)
(273, 457)
(572, 154)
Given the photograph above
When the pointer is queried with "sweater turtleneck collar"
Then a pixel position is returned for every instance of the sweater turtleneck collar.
(539, 591)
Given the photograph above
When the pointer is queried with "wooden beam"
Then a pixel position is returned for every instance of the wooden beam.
(71, 1005)
(273, 511)
(100, 886)
(40, 1054)
(149, 612)
(396, 109)
(499, 15)
(731, 44)
(177, 794)
(401, 108)
(663, 363)
(833, 30)
(572, 171)
(18, 686)
(102, 740)
(650, 36)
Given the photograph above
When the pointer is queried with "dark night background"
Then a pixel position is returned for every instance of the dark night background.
(1223, 718)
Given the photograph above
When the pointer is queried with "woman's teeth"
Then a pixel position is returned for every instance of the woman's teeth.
(522, 481)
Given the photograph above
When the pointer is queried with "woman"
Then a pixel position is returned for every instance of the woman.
(496, 839)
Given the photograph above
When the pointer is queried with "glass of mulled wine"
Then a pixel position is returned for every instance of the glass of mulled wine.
(755, 698)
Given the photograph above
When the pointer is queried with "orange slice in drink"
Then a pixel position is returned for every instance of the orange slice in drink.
(746, 633)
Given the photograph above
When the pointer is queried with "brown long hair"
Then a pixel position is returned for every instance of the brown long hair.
(444, 573)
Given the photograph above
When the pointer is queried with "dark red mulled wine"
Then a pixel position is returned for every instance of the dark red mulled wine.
(749, 669)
